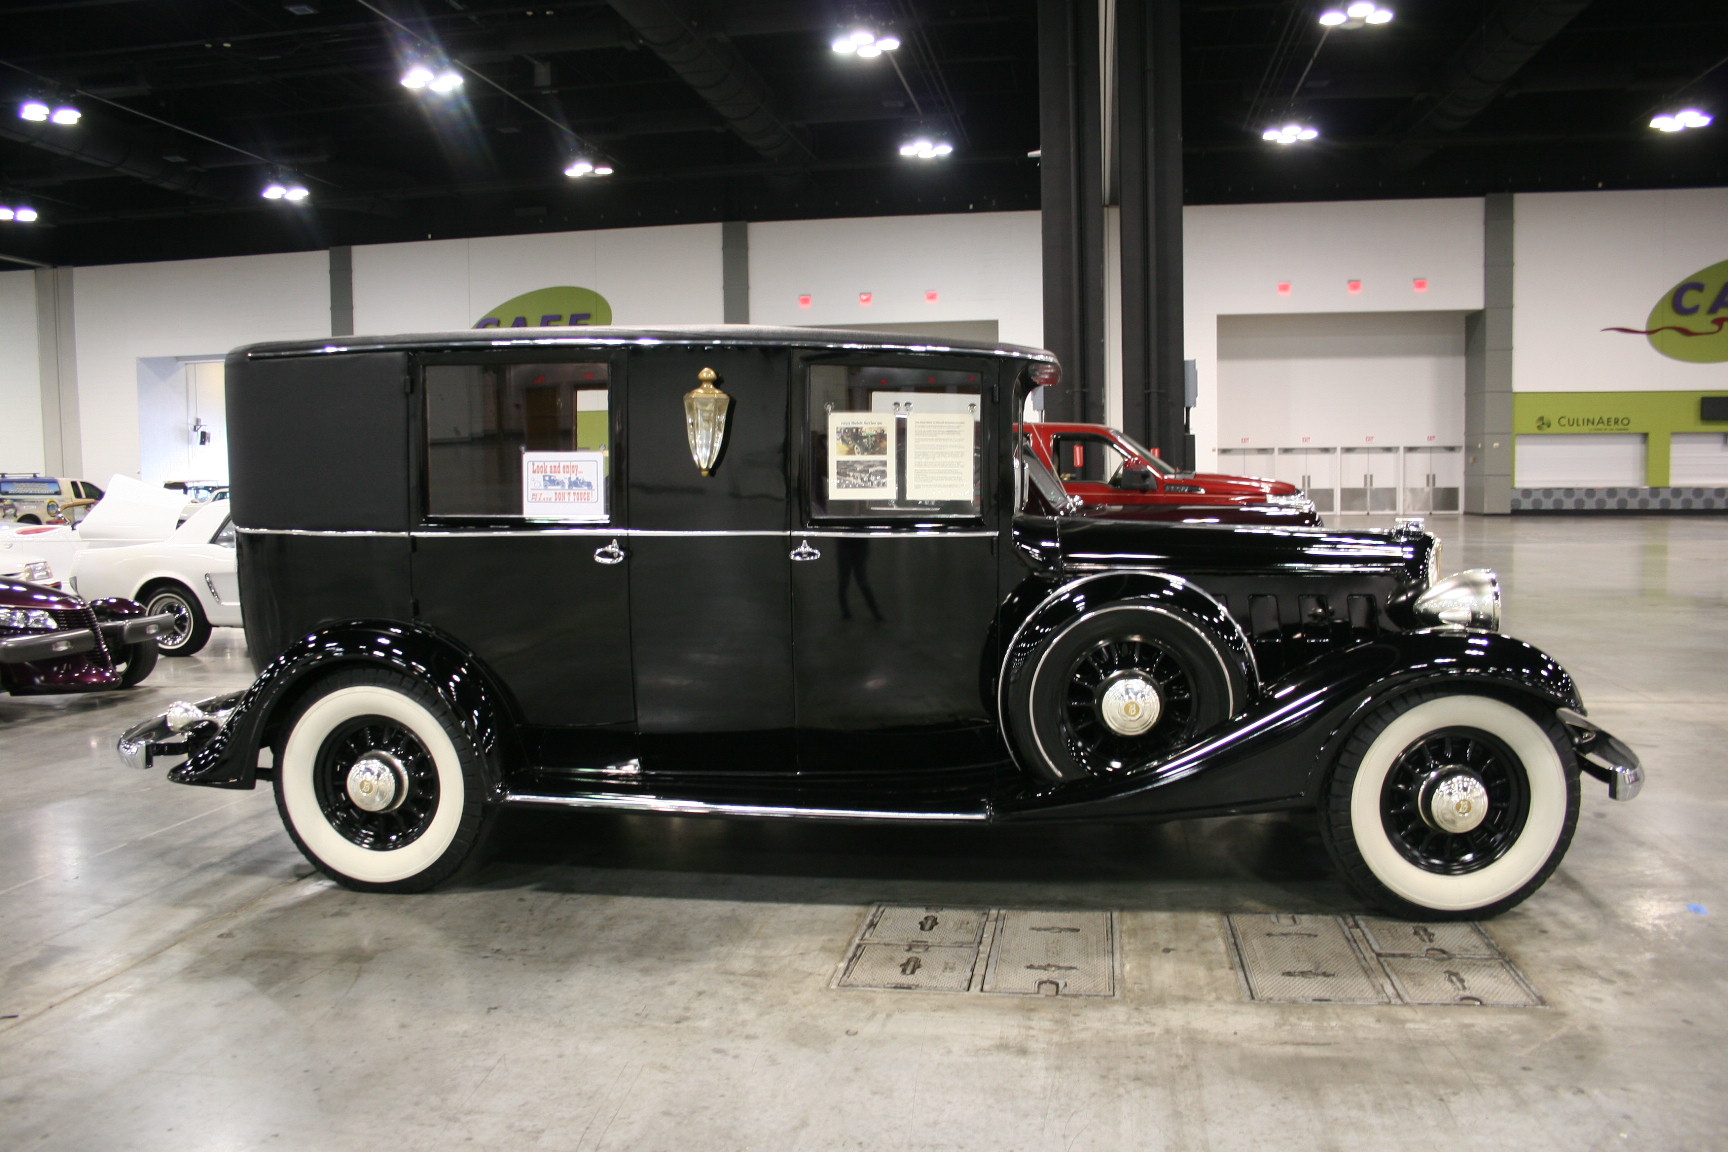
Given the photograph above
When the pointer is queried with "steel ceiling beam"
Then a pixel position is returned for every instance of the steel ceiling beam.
(1506, 41)
(714, 69)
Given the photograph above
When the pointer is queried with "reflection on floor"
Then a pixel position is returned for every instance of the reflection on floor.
(174, 976)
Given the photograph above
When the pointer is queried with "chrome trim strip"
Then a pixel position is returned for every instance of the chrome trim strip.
(574, 530)
(699, 808)
(455, 342)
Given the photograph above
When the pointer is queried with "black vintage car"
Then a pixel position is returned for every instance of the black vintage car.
(806, 573)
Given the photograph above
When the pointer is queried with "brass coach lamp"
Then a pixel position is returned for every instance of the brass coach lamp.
(705, 420)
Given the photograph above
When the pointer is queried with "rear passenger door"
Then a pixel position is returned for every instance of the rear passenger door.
(517, 552)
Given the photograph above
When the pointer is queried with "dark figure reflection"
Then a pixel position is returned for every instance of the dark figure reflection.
(852, 554)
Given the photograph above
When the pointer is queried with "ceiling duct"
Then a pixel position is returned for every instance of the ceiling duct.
(718, 74)
(1506, 41)
(106, 150)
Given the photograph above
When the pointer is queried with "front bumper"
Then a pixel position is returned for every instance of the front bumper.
(178, 732)
(1603, 755)
(35, 646)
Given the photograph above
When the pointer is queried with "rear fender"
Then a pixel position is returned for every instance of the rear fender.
(230, 758)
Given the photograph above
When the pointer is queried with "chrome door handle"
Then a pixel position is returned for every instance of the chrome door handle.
(611, 554)
(805, 552)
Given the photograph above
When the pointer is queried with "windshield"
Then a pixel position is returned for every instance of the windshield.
(1157, 465)
(1042, 481)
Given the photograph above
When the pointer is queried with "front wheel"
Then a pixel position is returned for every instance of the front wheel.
(378, 784)
(135, 661)
(1449, 806)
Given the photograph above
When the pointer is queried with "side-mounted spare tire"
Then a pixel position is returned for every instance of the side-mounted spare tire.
(1119, 686)
(378, 784)
(1450, 805)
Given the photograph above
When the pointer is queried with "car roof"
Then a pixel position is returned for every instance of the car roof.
(720, 335)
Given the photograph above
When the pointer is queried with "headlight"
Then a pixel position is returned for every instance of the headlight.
(34, 571)
(1296, 501)
(1467, 599)
(27, 619)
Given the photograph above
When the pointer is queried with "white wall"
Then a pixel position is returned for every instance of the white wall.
(1235, 256)
(668, 275)
(982, 266)
(184, 308)
(1593, 260)
(1345, 379)
(20, 389)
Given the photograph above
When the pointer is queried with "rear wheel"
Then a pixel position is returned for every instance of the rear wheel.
(378, 784)
(191, 628)
(1450, 806)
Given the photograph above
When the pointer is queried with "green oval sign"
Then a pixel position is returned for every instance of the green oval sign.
(1690, 322)
(547, 307)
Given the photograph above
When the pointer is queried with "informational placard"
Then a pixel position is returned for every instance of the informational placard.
(939, 457)
(564, 486)
(860, 456)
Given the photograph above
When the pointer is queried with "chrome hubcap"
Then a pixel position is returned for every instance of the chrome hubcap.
(1130, 705)
(1454, 800)
(377, 782)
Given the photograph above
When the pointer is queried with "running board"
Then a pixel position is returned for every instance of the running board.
(700, 808)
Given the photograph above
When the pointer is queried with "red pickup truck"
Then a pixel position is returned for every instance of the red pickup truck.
(1101, 465)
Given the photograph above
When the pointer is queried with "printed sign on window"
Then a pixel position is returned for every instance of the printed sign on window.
(939, 459)
(860, 456)
(564, 485)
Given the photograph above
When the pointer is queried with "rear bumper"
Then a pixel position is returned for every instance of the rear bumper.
(1603, 755)
(178, 732)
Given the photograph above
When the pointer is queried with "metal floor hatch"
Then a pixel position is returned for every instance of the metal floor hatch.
(1006, 951)
(1365, 960)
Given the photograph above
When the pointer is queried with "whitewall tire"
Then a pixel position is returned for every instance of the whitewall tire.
(378, 785)
(1450, 806)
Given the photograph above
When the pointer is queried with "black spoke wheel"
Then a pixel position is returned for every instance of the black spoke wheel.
(1086, 732)
(1488, 773)
(1449, 806)
(378, 783)
(1116, 689)
(408, 768)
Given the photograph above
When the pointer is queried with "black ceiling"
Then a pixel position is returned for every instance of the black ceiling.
(737, 110)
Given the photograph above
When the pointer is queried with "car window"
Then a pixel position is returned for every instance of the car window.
(1087, 457)
(899, 442)
(518, 440)
(225, 534)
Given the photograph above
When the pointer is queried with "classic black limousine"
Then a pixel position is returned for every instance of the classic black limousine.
(790, 572)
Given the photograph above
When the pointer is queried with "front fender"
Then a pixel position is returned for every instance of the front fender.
(1277, 754)
(229, 758)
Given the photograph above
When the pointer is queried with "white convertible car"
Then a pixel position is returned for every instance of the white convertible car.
(190, 574)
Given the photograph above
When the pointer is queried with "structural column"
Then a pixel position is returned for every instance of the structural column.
(1149, 146)
(1488, 369)
(1070, 92)
(57, 372)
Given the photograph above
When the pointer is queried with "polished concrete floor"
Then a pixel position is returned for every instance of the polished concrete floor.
(173, 975)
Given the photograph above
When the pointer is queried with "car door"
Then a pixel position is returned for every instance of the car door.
(1087, 462)
(710, 614)
(516, 555)
(894, 579)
